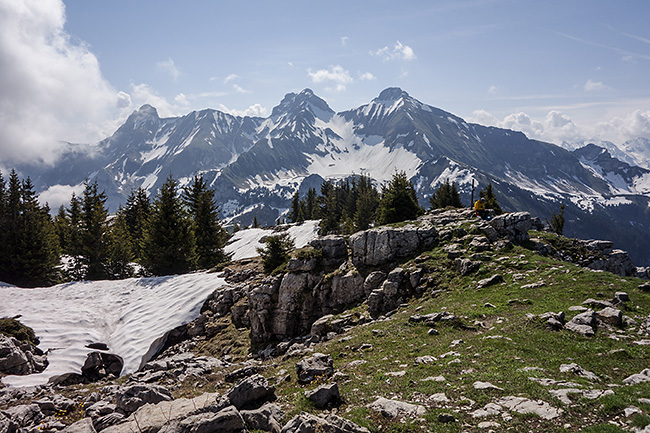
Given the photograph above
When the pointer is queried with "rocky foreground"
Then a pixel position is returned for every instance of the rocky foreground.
(447, 323)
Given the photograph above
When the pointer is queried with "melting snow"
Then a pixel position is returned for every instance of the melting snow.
(244, 243)
(131, 316)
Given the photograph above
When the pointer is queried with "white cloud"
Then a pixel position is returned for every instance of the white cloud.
(620, 129)
(344, 40)
(169, 67)
(336, 74)
(144, 94)
(239, 89)
(58, 195)
(367, 76)
(594, 86)
(230, 77)
(492, 89)
(255, 110)
(181, 98)
(399, 51)
(52, 89)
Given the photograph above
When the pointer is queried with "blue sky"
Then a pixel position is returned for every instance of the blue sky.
(557, 70)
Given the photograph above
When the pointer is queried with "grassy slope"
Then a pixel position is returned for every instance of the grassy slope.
(396, 344)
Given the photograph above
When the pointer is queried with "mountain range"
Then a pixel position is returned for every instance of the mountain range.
(256, 164)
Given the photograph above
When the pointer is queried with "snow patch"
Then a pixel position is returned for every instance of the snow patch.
(130, 316)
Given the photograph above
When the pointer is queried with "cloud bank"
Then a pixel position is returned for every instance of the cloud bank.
(51, 89)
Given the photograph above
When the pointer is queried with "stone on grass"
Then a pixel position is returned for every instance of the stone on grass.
(494, 279)
(524, 405)
(250, 391)
(132, 397)
(324, 396)
(226, 420)
(609, 315)
(396, 409)
(486, 385)
(574, 368)
(318, 365)
(267, 418)
(634, 379)
(308, 423)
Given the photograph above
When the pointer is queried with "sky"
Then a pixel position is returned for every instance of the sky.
(558, 70)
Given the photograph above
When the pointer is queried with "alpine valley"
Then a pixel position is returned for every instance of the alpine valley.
(257, 164)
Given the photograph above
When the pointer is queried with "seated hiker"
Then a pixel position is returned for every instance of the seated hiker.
(479, 207)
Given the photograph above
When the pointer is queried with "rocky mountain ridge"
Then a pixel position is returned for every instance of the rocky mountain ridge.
(256, 164)
(329, 341)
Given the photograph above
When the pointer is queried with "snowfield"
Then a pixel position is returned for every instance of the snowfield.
(132, 316)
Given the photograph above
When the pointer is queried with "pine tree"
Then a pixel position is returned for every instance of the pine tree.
(294, 213)
(366, 204)
(399, 201)
(169, 245)
(557, 222)
(445, 195)
(276, 252)
(490, 199)
(255, 223)
(210, 236)
(310, 204)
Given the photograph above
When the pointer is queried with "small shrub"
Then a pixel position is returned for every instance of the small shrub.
(14, 328)
(276, 253)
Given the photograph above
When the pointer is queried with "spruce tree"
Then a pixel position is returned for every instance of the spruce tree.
(94, 242)
(366, 204)
(210, 236)
(310, 204)
(276, 251)
(399, 201)
(445, 195)
(119, 250)
(169, 245)
(136, 213)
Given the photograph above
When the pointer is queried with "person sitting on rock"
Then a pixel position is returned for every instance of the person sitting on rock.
(479, 207)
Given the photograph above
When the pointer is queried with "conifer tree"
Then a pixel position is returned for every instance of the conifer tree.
(310, 204)
(399, 201)
(94, 242)
(490, 199)
(169, 245)
(445, 195)
(210, 236)
(276, 252)
(366, 204)
(255, 223)
(119, 250)
(136, 213)
(294, 214)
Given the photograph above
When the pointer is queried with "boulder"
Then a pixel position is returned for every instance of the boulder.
(241, 373)
(324, 396)
(108, 420)
(226, 420)
(574, 368)
(583, 324)
(513, 226)
(84, 425)
(383, 245)
(307, 423)
(130, 398)
(20, 357)
(24, 415)
(334, 249)
(466, 266)
(267, 418)
(251, 392)
(6, 424)
(524, 406)
(397, 409)
(317, 366)
(99, 365)
(494, 279)
(634, 379)
(611, 316)
(373, 281)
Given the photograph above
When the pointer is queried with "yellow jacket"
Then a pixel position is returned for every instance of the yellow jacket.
(479, 205)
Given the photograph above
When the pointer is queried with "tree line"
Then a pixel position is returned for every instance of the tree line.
(355, 204)
(176, 232)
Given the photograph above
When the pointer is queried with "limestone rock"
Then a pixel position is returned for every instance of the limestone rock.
(396, 409)
(382, 245)
(324, 396)
(129, 399)
(84, 425)
(250, 391)
(19, 357)
(494, 279)
(226, 420)
(317, 366)
(466, 266)
(583, 324)
(634, 379)
(514, 226)
(611, 316)
(525, 406)
(574, 368)
(307, 423)
(266, 418)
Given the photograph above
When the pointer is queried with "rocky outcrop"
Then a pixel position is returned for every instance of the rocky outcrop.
(20, 358)
(513, 226)
(383, 245)
(100, 365)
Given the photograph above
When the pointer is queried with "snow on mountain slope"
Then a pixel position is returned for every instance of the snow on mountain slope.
(244, 243)
(130, 316)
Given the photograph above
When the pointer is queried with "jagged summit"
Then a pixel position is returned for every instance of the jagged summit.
(306, 100)
(391, 94)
